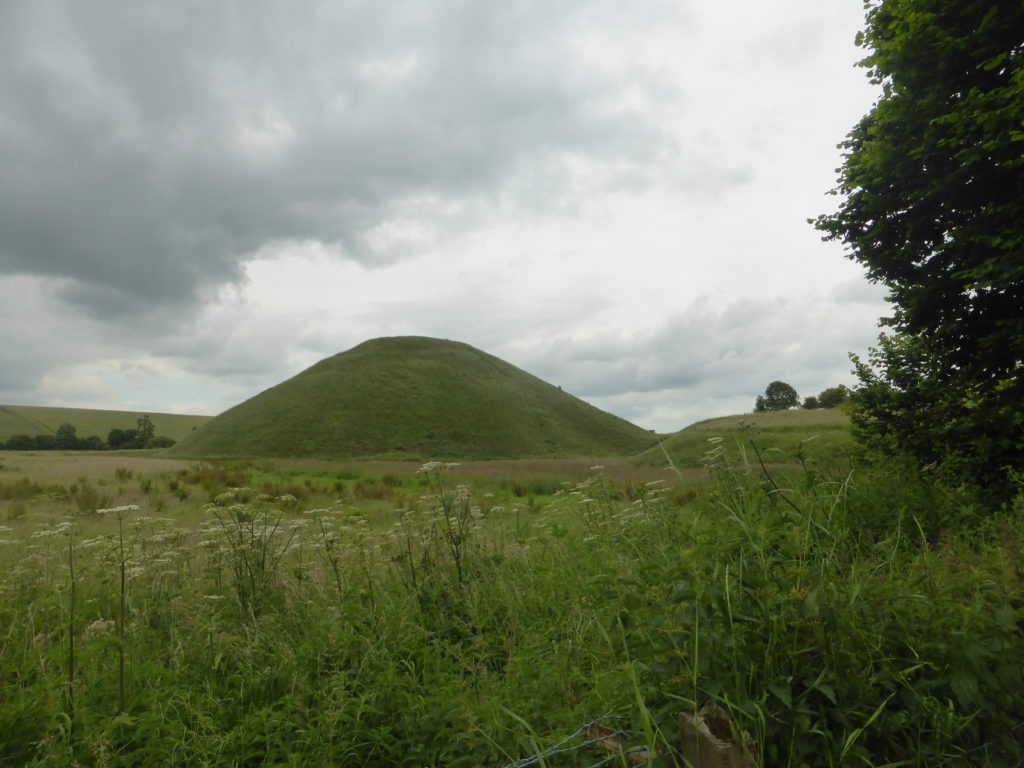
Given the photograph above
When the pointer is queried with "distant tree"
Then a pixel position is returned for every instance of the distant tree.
(66, 438)
(44, 442)
(20, 443)
(810, 403)
(833, 396)
(123, 438)
(161, 441)
(759, 404)
(778, 396)
(146, 431)
(90, 443)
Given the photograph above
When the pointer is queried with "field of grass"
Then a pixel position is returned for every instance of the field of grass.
(300, 613)
(780, 437)
(414, 398)
(38, 420)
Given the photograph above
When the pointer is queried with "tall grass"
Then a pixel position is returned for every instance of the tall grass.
(856, 618)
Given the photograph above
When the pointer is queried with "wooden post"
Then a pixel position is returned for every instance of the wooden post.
(710, 740)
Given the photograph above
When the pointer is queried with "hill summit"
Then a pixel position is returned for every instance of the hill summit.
(414, 397)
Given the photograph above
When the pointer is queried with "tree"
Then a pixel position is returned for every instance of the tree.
(933, 208)
(778, 396)
(833, 397)
(90, 443)
(810, 403)
(20, 443)
(123, 438)
(146, 431)
(66, 438)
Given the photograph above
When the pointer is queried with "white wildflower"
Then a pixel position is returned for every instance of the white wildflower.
(118, 510)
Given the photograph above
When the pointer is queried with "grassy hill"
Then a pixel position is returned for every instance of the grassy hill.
(779, 435)
(414, 397)
(41, 420)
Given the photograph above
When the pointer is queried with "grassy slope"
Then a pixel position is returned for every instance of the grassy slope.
(414, 397)
(12, 422)
(34, 420)
(778, 435)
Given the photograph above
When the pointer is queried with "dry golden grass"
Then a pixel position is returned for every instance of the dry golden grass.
(521, 469)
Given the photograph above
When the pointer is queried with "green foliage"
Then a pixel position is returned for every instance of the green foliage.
(933, 208)
(90, 443)
(20, 443)
(832, 631)
(810, 403)
(118, 438)
(778, 396)
(20, 489)
(87, 497)
(833, 397)
(145, 431)
(413, 397)
(905, 406)
(66, 438)
(867, 617)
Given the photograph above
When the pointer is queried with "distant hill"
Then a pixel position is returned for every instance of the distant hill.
(42, 420)
(414, 397)
(779, 435)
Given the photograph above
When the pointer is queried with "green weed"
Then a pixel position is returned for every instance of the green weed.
(835, 615)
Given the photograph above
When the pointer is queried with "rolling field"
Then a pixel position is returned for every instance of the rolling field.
(33, 420)
(780, 436)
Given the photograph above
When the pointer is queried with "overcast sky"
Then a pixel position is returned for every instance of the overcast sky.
(199, 200)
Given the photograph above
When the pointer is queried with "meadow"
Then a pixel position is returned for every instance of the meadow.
(312, 613)
(781, 436)
(34, 420)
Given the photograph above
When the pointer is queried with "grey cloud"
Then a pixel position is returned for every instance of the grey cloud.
(149, 147)
(709, 353)
(36, 328)
(859, 291)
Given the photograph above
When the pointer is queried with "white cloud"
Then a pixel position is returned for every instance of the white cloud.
(611, 196)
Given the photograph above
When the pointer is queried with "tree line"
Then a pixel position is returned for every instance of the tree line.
(780, 396)
(66, 438)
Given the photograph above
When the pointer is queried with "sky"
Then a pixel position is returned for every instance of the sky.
(200, 200)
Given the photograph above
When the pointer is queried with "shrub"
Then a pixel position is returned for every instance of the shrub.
(20, 443)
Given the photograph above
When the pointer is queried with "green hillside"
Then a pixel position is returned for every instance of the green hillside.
(779, 435)
(39, 420)
(414, 397)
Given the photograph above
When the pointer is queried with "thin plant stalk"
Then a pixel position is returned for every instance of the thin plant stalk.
(120, 615)
(71, 633)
